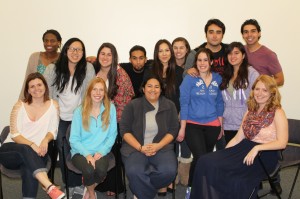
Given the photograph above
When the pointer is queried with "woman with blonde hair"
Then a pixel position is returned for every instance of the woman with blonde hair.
(235, 172)
(93, 133)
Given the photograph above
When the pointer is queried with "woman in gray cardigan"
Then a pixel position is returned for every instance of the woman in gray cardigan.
(148, 126)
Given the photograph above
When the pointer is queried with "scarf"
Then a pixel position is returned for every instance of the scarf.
(255, 122)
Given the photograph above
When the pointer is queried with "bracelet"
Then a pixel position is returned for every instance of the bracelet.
(140, 148)
(31, 144)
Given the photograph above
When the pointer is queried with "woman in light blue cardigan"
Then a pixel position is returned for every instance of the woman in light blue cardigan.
(93, 133)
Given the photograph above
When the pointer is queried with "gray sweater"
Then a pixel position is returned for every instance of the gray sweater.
(236, 103)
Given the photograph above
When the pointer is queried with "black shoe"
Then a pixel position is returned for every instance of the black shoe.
(260, 186)
(170, 190)
(161, 194)
(278, 188)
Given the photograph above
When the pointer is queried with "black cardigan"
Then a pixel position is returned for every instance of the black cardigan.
(133, 121)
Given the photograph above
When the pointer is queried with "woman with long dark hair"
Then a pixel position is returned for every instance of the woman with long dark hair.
(164, 66)
(238, 78)
(67, 81)
(120, 91)
(202, 109)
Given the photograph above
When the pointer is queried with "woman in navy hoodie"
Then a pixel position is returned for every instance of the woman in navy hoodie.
(201, 109)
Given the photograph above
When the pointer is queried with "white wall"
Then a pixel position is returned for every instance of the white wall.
(129, 22)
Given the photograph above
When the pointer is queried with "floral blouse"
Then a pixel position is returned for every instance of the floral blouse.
(125, 92)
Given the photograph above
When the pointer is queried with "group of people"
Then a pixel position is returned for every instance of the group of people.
(222, 95)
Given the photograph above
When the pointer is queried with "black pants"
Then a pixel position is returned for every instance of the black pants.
(229, 134)
(73, 178)
(90, 174)
(201, 140)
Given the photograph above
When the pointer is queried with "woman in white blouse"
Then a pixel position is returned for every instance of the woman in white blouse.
(33, 124)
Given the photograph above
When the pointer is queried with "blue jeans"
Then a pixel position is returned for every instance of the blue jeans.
(73, 178)
(22, 157)
(148, 174)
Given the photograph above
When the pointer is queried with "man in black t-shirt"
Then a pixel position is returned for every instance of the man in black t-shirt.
(214, 31)
(136, 67)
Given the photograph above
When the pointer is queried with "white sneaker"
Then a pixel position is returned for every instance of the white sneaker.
(71, 192)
(134, 197)
(188, 192)
(79, 190)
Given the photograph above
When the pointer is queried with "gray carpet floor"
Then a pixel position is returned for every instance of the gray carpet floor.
(12, 188)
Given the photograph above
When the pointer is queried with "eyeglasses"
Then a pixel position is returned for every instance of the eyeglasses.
(72, 50)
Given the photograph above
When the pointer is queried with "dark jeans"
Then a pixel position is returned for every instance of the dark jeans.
(73, 178)
(201, 140)
(148, 174)
(22, 157)
(90, 174)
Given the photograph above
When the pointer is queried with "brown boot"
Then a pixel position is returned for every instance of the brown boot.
(184, 173)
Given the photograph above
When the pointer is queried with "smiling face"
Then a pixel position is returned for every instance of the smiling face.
(214, 35)
(251, 34)
(97, 93)
(235, 57)
(261, 94)
(75, 52)
(105, 57)
(164, 53)
(36, 88)
(152, 90)
(138, 59)
(180, 50)
(51, 44)
(203, 63)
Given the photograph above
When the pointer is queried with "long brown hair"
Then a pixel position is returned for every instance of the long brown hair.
(88, 103)
(271, 86)
(157, 68)
(112, 73)
(30, 77)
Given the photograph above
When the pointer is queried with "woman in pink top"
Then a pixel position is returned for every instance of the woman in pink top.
(234, 173)
(33, 124)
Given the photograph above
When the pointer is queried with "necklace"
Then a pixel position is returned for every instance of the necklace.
(138, 71)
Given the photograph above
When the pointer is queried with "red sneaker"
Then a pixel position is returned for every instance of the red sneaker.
(55, 193)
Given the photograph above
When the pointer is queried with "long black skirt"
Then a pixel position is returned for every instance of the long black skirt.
(222, 174)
